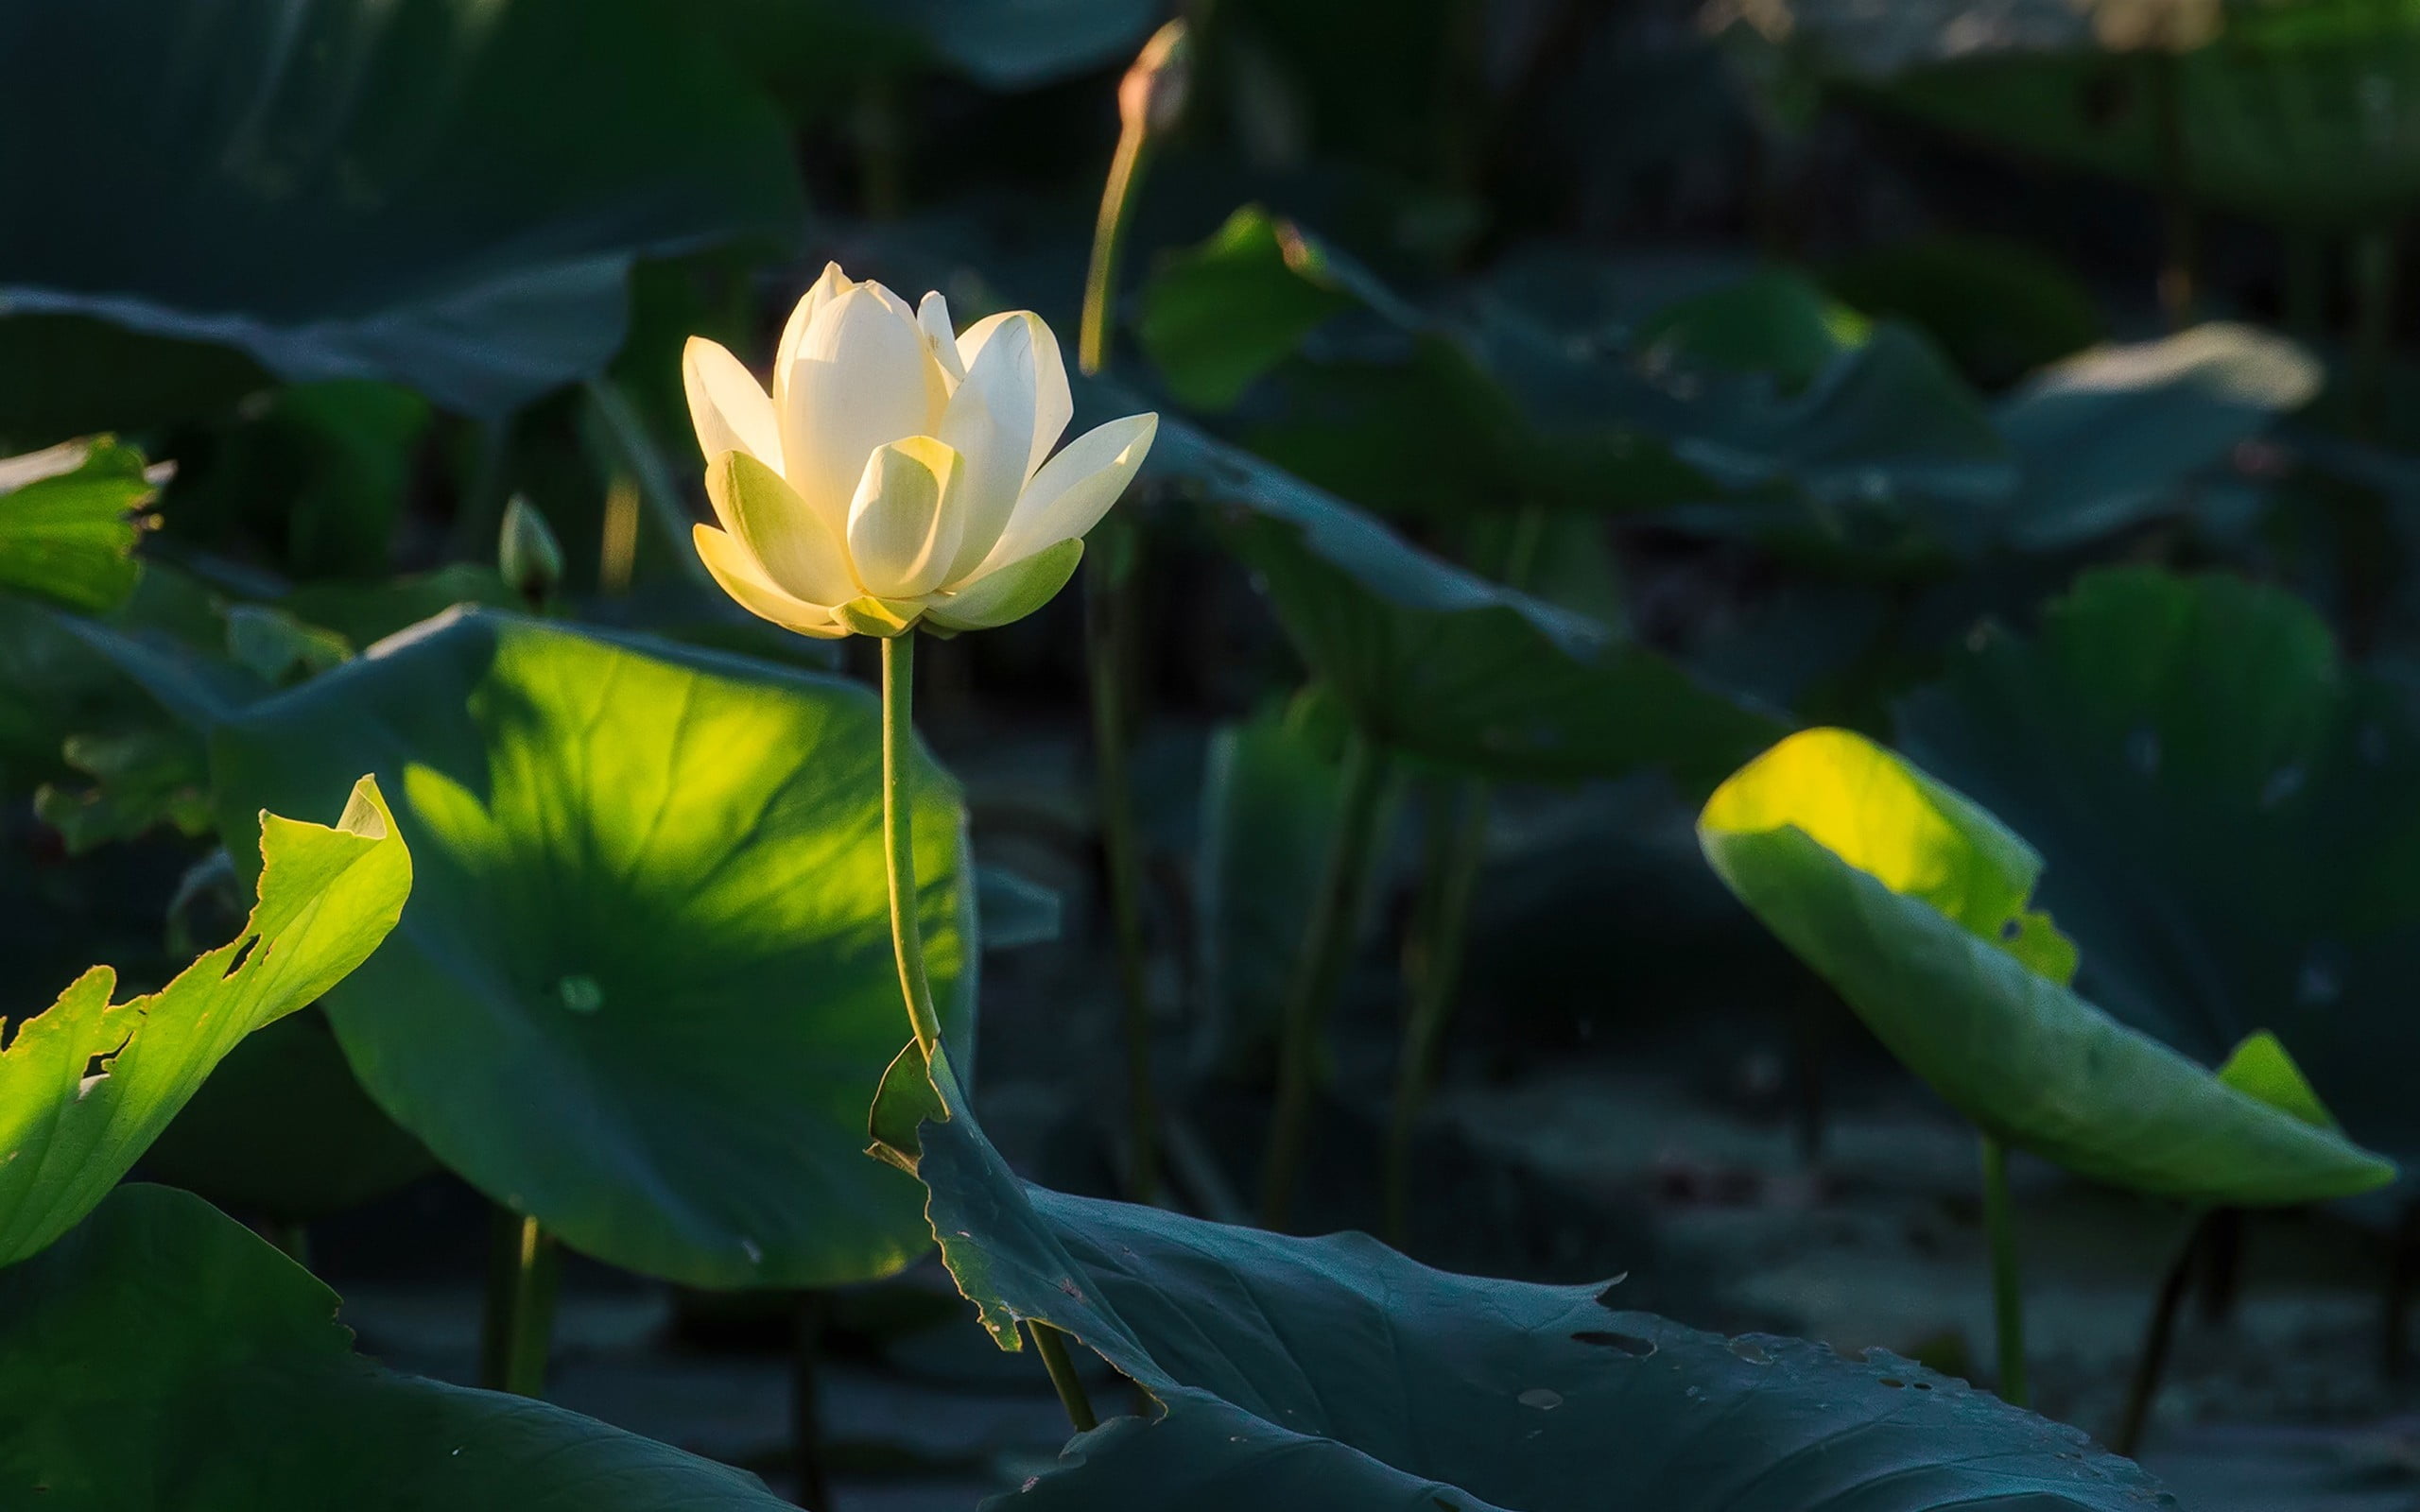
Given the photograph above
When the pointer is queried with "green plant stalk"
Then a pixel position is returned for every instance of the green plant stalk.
(1327, 950)
(2008, 1290)
(906, 937)
(1105, 618)
(2180, 231)
(899, 839)
(807, 1460)
(520, 1318)
(627, 436)
(2153, 1362)
(2365, 543)
(292, 1238)
(1118, 198)
(1053, 1346)
(1458, 846)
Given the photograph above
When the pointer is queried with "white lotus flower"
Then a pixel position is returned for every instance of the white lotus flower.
(896, 473)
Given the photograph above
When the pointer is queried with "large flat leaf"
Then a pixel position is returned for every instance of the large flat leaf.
(1916, 905)
(2229, 814)
(161, 1356)
(448, 197)
(68, 526)
(2107, 436)
(1446, 665)
(1293, 1373)
(86, 1085)
(2291, 111)
(646, 987)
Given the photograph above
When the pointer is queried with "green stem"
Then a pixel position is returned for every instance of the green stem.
(2152, 1363)
(1458, 846)
(2008, 1292)
(292, 1238)
(1117, 197)
(2180, 230)
(2365, 544)
(899, 838)
(807, 1459)
(633, 445)
(520, 1320)
(1327, 950)
(2306, 301)
(1053, 1346)
(1105, 621)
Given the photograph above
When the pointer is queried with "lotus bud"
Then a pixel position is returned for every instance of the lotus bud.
(527, 553)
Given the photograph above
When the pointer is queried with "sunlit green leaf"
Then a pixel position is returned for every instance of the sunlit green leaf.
(67, 524)
(86, 1085)
(160, 1355)
(645, 985)
(1916, 906)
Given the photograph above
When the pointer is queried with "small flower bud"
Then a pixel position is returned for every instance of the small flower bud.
(528, 555)
(1151, 96)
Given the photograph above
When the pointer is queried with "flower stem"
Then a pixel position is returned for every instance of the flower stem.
(1456, 846)
(1053, 1346)
(899, 838)
(809, 1464)
(2152, 1363)
(2008, 1293)
(1105, 624)
(1327, 949)
(1108, 239)
(520, 1318)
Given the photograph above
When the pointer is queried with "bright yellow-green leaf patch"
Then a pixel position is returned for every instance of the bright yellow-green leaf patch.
(1911, 901)
(86, 1085)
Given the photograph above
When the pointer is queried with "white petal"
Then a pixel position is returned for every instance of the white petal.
(859, 379)
(933, 317)
(739, 575)
(1075, 488)
(789, 542)
(990, 422)
(1054, 405)
(727, 405)
(903, 523)
(829, 286)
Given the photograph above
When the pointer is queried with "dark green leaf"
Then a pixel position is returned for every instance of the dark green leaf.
(160, 1355)
(1218, 316)
(2227, 813)
(445, 196)
(1323, 1373)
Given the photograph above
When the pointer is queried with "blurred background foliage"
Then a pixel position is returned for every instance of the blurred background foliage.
(1564, 398)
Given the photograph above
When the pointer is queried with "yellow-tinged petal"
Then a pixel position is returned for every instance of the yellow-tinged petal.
(1075, 488)
(737, 572)
(791, 545)
(862, 377)
(829, 286)
(1013, 592)
(932, 317)
(1054, 405)
(728, 407)
(990, 423)
(903, 523)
